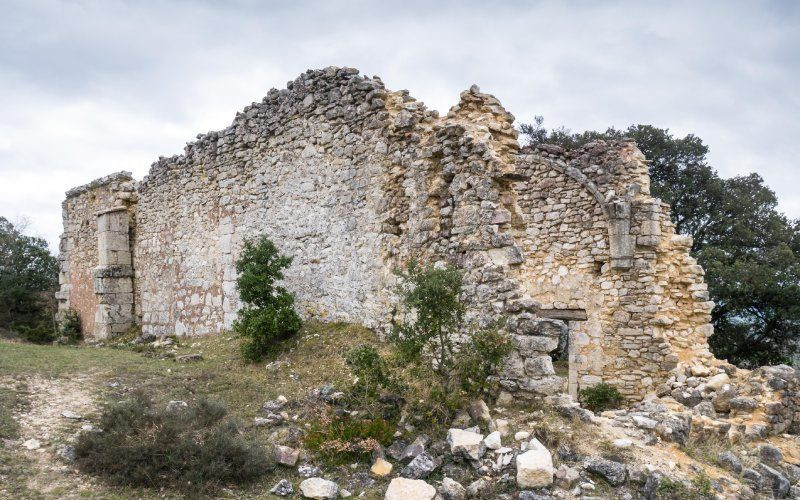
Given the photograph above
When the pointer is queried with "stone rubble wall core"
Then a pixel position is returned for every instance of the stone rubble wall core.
(353, 180)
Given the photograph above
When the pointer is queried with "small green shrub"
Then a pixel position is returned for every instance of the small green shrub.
(193, 449)
(671, 489)
(70, 327)
(370, 369)
(601, 397)
(342, 439)
(268, 316)
(42, 332)
(479, 358)
(442, 376)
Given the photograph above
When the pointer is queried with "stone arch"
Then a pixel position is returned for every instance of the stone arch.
(618, 215)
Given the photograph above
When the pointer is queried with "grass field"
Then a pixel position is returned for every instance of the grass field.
(108, 372)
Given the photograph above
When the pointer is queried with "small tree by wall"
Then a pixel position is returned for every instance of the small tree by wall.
(268, 315)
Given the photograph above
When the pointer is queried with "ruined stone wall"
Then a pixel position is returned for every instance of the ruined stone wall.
(305, 167)
(353, 180)
(90, 271)
(644, 312)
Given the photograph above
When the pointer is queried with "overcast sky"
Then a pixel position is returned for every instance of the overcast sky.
(89, 88)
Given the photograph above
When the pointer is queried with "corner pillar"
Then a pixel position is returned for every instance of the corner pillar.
(113, 277)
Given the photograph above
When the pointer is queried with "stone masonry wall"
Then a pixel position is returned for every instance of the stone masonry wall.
(353, 180)
(87, 274)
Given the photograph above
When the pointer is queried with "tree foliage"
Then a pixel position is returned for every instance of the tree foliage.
(750, 251)
(28, 278)
(268, 315)
(433, 297)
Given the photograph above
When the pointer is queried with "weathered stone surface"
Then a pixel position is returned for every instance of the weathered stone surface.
(381, 467)
(535, 466)
(283, 489)
(285, 455)
(613, 472)
(493, 441)
(316, 487)
(452, 490)
(465, 443)
(421, 467)
(774, 480)
(401, 488)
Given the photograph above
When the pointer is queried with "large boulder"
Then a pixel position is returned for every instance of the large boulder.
(718, 381)
(402, 488)
(613, 472)
(468, 444)
(535, 466)
(774, 480)
(316, 487)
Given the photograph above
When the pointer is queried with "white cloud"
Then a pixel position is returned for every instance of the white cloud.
(88, 88)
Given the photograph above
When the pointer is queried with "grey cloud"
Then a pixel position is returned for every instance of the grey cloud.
(92, 87)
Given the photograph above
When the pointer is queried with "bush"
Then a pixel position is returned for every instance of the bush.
(42, 332)
(433, 295)
(194, 448)
(343, 438)
(70, 327)
(601, 397)
(268, 316)
(671, 489)
(479, 359)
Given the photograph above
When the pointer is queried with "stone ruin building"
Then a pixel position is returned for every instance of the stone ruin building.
(352, 180)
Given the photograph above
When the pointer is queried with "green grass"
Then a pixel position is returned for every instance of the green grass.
(313, 358)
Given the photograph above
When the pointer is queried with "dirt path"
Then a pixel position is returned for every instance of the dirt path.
(44, 430)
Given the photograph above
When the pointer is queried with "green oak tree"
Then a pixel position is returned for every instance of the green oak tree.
(28, 278)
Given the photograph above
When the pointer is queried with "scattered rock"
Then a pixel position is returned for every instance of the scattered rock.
(422, 465)
(566, 476)
(396, 449)
(308, 470)
(401, 488)
(415, 448)
(522, 436)
(743, 404)
(285, 455)
(283, 489)
(774, 480)
(752, 478)
(622, 443)
(316, 487)
(477, 487)
(381, 467)
(613, 472)
(493, 441)
(32, 444)
(716, 382)
(67, 452)
(535, 466)
(465, 443)
(452, 490)
(189, 358)
(479, 412)
(730, 461)
(770, 454)
(177, 405)
(71, 415)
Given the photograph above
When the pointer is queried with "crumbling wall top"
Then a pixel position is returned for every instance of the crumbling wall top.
(120, 176)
